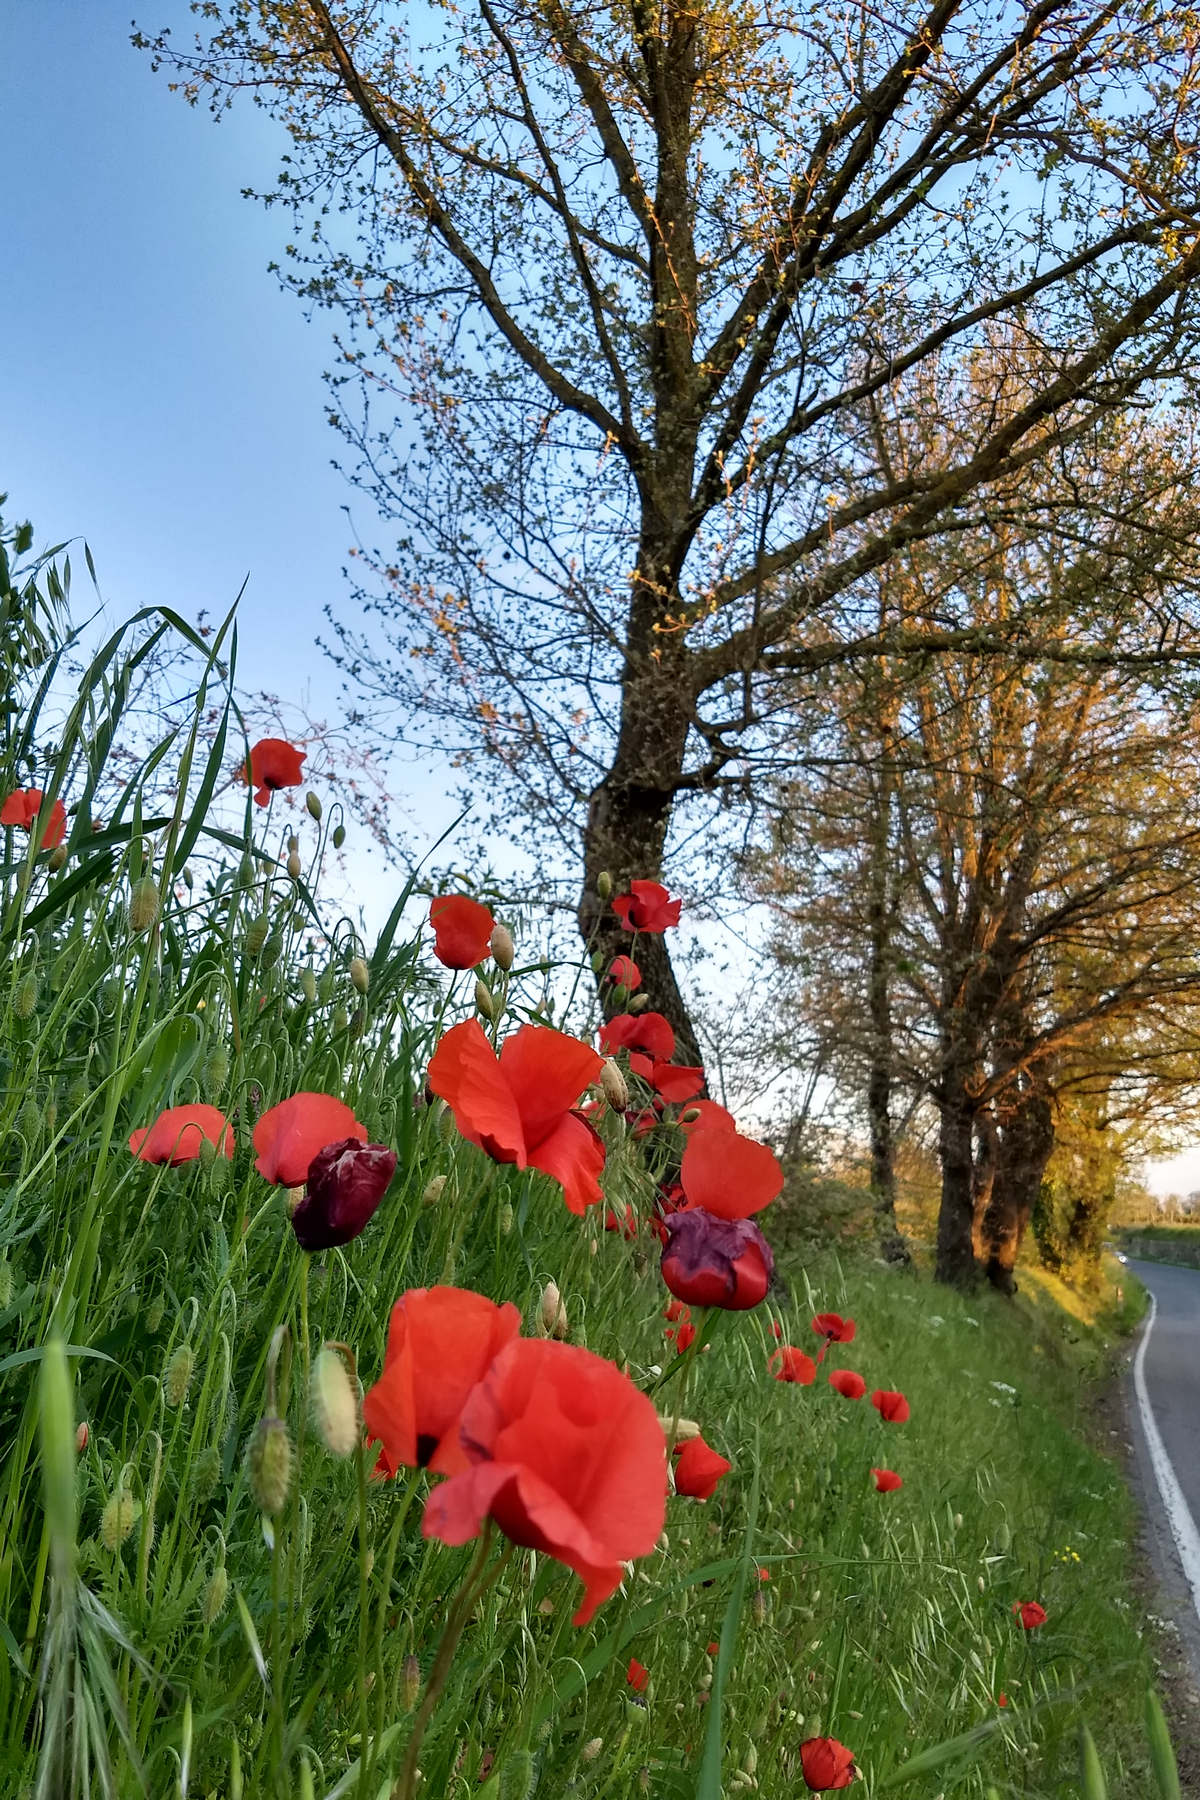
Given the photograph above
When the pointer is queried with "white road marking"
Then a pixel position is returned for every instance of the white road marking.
(1179, 1515)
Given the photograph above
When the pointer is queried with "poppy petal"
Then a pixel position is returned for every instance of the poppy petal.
(289, 1135)
(463, 1072)
(574, 1155)
(728, 1174)
(547, 1071)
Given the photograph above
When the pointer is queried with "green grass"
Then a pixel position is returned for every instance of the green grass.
(159, 1637)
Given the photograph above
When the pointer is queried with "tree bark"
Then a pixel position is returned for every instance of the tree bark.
(1025, 1146)
(879, 1003)
(955, 1265)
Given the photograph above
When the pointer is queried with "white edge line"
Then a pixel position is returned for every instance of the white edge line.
(1179, 1516)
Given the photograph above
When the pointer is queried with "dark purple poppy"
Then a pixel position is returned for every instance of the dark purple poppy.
(709, 1261)
(346, 1182)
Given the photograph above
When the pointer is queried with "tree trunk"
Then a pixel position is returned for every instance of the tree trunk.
(1026, 1142)
(955, 1265)
(879, 1001)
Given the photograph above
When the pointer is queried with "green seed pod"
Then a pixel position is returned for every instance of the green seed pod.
(6, 1283)
(269, 1465)
(154, 1314)
(177, 1377)
(272, 950)
(144, 904)
(360, 975)
(118, 1519)
(339, 836)
(308, 986)
(435, 1187)
(206, 1474)
(341, 1018)
(25, 995)
(212, 1600)
(502, 947)
(1162, 1756)
(412, 1681)
(216, 1070)
(314, 806)
(334, 1404)
(516, 1777)
(256, 934)
(604, 884)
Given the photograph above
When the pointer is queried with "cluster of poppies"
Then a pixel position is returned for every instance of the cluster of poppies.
(790, 1364)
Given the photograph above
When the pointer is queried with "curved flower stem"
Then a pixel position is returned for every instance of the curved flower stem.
(385, 1601)
(460, 1611)
(360, 1463)
(710, 1318)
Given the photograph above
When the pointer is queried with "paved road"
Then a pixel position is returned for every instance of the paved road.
(1172, 1370)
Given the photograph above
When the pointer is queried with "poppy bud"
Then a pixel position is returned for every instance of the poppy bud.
(206, 1474)
(616, 1090)
(256, 934)
(339, 836)
(6, 1283)
(341, 1018)
(334, 1404)
(826, 1764)
(591, 1750)
(144, 904)
(750, 1760)
(58, 857)
(604, 884)
(269, 1465)
(216, 1589)
(506, 1218)
(346, 1182)
(502, 947)
(981, 1584)
(294, 866)
(484, 1001)
(685, 1429)
(216, 1070)
(308, 986)
(313, 805)
(516, 1777)
(188, 880)
(554, 1313)
(758, 1607)
(25, 995)
(118, 1518)
(708, 1261)
(412, 1681)
(81, 1437)
(360, 975)
(435, 1187)
(177, 1377)
(272, 950)
(293, 843)
(154, 1314)
(639, 1003)
(29, 1121)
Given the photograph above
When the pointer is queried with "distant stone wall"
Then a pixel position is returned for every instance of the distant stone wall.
(1152, 1246)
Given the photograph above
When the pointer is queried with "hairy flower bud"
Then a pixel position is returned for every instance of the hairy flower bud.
(6, 1283)
(553, 1313)
(313, 805)
(308, 986)
(516, 1777)
(216, 1590)
(144, 904)
(334, 1404)
(154, 1314)
(206, 1474)
(638, 1003)
(341, 1018)
(256, 934)
(216, 1070)
(685, 1429)
(360, 975)
(614, 1086)
(339, 836)
(412, 1681)
(118, 1518)
(269, 1465)
(295, 867)
(25, 995)
(484, 1001)
(29, 1121)
(502, 947)
(604, 884)
(58, 857)
(506, 1218)
(177, 1377)
(435, 1187)
(82, 1434)
(591, 1750)
(272, 950)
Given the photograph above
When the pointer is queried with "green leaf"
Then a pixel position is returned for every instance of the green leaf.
(708, 1783)
(968, 1746)
(1162, 1757)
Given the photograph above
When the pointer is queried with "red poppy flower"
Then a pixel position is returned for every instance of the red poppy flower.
(698, 1469)
(177, 1134)
(676, 1309)
(826, 1764)
(625, 972)
(627, 1225)
(346, 1182)
(833, 1328)
(685, 1337)
(709, 1261)
(1030, 1614)
(704, 1115)
(849, 1385)
(1003, 1700)
(647, 907)
(790, 1364)
(568, 1458)
(519, 1107)
(288, 1136)
(272, 763)
(641, 1124)
(891, 1407)
(712, 1649)
(646, 1032)
(729, 1175)
(777, 1331)
(672, 1080)
(441, 1343)
(23, 807)
(637, 1675)
(886, 1481)
(462, 931)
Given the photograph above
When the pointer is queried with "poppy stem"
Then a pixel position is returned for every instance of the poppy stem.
(385, 1601)
(460, 1611)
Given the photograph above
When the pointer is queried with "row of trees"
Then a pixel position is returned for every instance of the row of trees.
(786, 410)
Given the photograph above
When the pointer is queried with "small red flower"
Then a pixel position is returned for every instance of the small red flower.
(568, 1458)
(520, 1107)
(648, 1033)
(647, 907)
(698, 1469)
(22, 809)
(676, 1310)
(346, 1182)
(708, 1261)
(1030, 1614)
(790, 1364)
(886, 1481)
(729, 1175)
(1003, 1700)
(288, 1136)
(833, 1328)
(177, 1134)
(441, 1343)
(891, 1407)
(462, 931)
(685, 1336)
(706, 1114)
(777, 1331)
(764, 1574)
(627, 1225)
(826, 1764)
(625, 972)
(272, 763)
(849, 1385)
(712, 1649)
(637, 1675)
